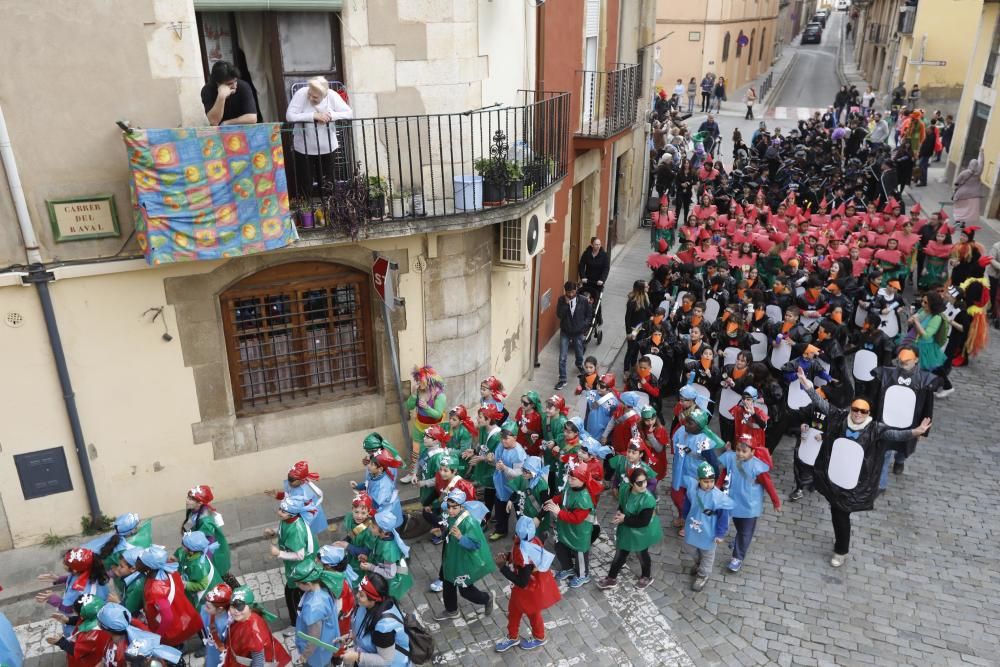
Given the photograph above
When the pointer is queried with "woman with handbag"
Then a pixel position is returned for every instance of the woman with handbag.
(749, 98)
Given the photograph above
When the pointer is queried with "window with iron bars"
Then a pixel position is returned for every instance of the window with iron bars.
(511, 246)
(298, 334)
(989, 76)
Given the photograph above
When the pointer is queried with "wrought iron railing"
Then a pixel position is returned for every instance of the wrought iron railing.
(427, 166)
(609, 101)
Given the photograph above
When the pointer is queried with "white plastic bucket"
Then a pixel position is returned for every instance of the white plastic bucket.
(468, 192)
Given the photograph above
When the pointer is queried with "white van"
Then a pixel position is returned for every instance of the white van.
(842, 5)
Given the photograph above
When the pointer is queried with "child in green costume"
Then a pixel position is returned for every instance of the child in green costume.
(480, 469)
(638, 527)
(574, 531)
(128, 580)
(435, 443)
(357, 538)
(633, 458)
(531, 491)
(463, 431)
(202, 516)
(553, 440)
(387, 555)
(466, 558)
(292, 542)
(197, 570)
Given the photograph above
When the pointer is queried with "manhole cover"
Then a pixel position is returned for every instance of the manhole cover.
(14, 320)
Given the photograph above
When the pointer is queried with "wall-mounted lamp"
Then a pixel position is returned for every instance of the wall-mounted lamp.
(158, 312)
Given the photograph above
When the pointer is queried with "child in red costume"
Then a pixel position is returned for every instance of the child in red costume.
(168, 611)
(249, 634)
(654, 434)
(534, 589)
(750, 421)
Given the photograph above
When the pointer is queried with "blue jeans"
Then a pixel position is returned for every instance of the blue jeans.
(564, 341)
(883, 480)
(744, 535)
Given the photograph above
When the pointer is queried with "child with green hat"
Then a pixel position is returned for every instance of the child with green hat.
(706, 511)
(466, 557)
(318, 611)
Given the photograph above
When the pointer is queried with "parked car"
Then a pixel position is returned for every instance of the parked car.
(819, 18)
(813, 34)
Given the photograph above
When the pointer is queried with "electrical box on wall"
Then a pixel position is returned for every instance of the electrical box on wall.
(43, 473)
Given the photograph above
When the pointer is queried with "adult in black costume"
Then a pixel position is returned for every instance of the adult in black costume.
(855, 425)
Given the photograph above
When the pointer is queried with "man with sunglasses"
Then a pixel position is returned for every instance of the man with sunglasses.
(847, 467)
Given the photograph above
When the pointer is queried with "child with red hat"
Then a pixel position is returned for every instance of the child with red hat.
(575, 533)
(200, 515)
(301, 483)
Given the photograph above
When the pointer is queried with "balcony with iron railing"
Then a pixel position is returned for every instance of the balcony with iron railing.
(425, 173)
(609, 102)
(351, 179)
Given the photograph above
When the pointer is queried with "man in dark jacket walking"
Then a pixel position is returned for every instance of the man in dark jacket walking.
(574, 313)
(888, 181)
(926, 153)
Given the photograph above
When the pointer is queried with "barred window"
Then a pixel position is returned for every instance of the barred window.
(297, 334)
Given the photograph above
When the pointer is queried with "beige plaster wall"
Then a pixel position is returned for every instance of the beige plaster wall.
(115, 60)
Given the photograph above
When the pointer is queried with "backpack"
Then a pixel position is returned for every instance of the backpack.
(421, 641)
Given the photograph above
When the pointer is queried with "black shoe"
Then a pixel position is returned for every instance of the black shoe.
(560, 384)
(897, 468)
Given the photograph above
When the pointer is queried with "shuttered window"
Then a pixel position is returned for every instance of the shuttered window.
(592, 19)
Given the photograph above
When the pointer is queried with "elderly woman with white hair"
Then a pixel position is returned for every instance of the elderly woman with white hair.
(313, 109)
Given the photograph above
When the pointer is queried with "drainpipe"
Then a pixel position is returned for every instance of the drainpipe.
(40, 278)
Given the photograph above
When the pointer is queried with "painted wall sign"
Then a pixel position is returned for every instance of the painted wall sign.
(83, 218)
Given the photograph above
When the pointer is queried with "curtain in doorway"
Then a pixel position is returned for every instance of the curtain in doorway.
(253, 42)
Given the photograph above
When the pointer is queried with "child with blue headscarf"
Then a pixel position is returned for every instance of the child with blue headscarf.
(195, 559)
(528, 566)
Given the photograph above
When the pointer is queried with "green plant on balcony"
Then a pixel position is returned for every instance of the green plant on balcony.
(302, 213)
(377, 188)
(495, 170)
(515, 181)
(539, 172)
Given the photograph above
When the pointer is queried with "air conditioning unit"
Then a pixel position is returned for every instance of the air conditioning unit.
(520, 239)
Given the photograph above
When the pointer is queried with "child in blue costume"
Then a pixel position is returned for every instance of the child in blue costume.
(707, 520)
(215, 619)
(301, 483)
(508, 457)
(318, 615)
(601, 406)
(746, 476)
(694, 443)
(380, 484)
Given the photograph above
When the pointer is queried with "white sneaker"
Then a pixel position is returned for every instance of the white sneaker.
(838, 559)
(289, 631)
(944, 393)
(408, 479)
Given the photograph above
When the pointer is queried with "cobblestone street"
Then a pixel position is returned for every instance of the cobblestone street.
(920, 586)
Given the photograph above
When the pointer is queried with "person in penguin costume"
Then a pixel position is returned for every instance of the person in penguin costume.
(847, 466)
(905, 398)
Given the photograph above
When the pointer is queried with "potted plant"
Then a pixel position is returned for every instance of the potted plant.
(494, 171)
(348, 204)
(376, 196)
(303, 213)
(400, 203)
(539, 172)
(515, 183)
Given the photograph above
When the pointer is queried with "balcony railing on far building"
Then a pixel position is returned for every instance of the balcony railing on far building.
(428, 166)
(609, 101)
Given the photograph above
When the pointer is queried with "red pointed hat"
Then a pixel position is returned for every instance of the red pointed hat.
(300, 472)
(916, 208)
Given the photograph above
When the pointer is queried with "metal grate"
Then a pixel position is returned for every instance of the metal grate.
(14, 319)
(292, 343)
(511, 243)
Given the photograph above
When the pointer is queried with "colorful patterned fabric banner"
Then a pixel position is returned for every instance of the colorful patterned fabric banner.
(209, 192)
